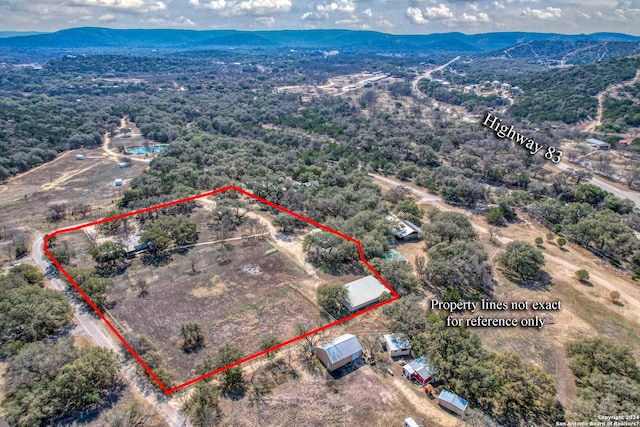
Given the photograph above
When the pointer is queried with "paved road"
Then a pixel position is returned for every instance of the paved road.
(171, 415)
(624, 194)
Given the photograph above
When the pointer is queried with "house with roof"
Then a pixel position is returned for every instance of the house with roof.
(452, 402)
(403, 229)
(397, 345)
(420, 370)
(339, 351)
(598, 145)
(363, 293)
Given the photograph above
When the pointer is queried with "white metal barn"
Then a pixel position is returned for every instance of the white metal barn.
(339, 352)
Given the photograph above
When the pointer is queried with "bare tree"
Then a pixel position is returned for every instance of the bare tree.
(142, 285)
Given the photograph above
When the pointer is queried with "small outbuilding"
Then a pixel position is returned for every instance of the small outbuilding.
(397, 345)
(118, 182)
(452, 402)
(339, 351)
(79, 156)
(363, 293)
(123, 165)
(599, 145)
(403, 229)
(420, 370)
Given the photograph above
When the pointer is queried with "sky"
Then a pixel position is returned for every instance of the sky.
(389, 16)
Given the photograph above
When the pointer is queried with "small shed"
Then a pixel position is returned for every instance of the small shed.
(118, 182)
(79, 156)
(397, 344)
(364, 292)
(339, 351)
(123, 165)
(452, 402)
(599, 145)
(421, 370)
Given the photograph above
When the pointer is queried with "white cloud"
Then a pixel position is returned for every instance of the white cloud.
(130, 5)
(546, 13)
(498, 5)
(337, 6)
(440, 12)
(347, 21)
(367, 12)
(245, 7)
(385, 24)
(481, 17)
(584, 15)
(266, 20)
(179, 22)
(415, 15)
(107, 17)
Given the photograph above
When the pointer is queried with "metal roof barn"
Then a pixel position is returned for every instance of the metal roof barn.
(364, 292)
(339, 351)
(452, 402)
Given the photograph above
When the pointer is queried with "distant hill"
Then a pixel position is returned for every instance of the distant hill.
(89, 38)
(4, 34)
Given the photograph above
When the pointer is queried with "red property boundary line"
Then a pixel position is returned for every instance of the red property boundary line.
(168, 391)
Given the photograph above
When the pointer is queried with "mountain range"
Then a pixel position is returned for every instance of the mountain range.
(343, 40)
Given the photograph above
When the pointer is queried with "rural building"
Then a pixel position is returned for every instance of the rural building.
(505, 86)
(123, 165)
(420, 370)
(397, 345)
(410, 422)
(394, 255)
(79, 156)
(452, 402)
(131, 252)
(339, 352)
(118, 182)
(363, 292)
(403, 229)
(598, 145)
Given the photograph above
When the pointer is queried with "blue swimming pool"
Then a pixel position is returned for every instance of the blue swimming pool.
(143, 150)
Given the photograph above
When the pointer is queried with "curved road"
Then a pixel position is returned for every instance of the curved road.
(171, 415)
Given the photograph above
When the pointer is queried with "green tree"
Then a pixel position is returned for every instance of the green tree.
(268, 342)
(539, 241)
(202, 406)
(494, 215)
(332, 298)
(409, 210)
(286, 222)
(590, 193)
(28, 312)
(231, 378)
(447, 227)
(561, 241)
(522, 259)
(107, 254)
(192, 337)
(81, 383)
(582, 275)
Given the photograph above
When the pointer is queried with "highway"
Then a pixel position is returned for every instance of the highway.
(624, 194)
(90, 325)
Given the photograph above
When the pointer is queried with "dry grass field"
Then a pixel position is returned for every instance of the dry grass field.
(239, 291)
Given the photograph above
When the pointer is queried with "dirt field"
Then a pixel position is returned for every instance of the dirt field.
(238, 291)
(27, 197)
